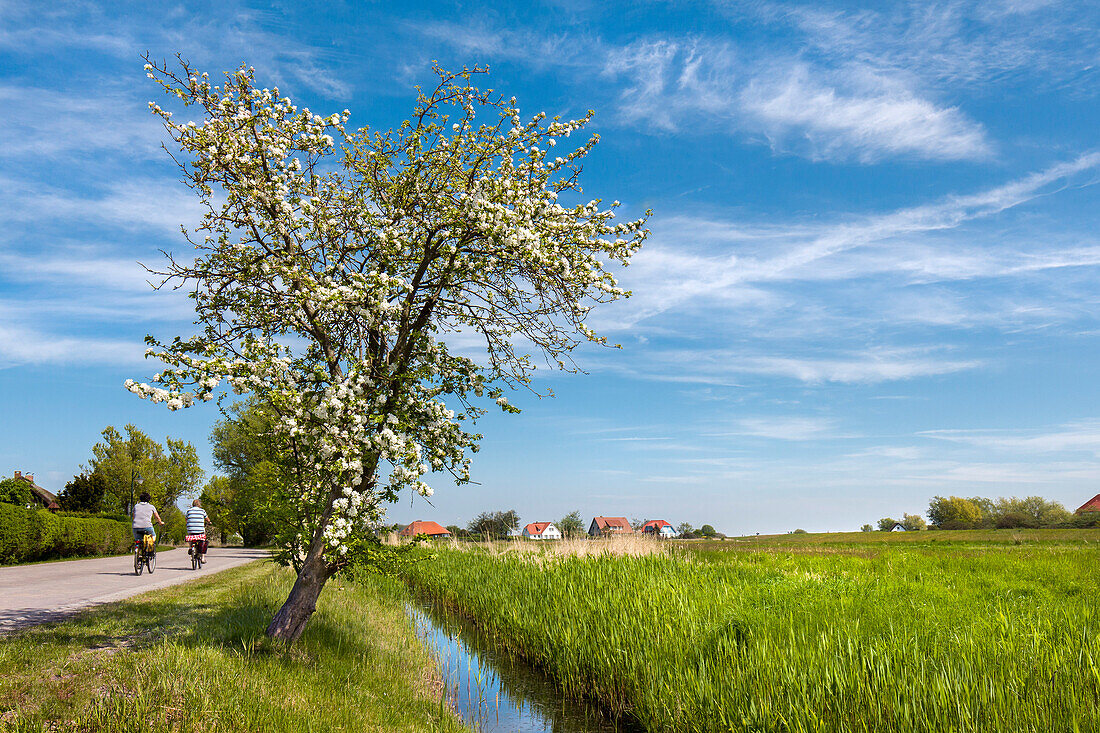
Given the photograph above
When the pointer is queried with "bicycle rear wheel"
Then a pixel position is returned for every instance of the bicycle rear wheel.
(151, 562)
(139, 562)
(194, 557)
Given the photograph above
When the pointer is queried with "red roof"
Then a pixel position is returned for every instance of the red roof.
(432, 529)
(535, 528)
(1092, 505)
(654, 525)
(612, 524)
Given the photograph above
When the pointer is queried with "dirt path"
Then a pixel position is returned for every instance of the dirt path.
(32, 594)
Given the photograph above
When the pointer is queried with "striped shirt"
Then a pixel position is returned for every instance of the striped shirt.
(196, 520)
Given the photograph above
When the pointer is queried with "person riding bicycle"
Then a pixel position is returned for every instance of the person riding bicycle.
(144, 514)
(197, 519)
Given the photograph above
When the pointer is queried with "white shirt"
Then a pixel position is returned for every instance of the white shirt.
(143, 514)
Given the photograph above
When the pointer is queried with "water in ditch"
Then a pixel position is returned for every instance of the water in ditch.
(495, 692)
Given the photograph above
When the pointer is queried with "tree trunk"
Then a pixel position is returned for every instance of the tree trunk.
(291, 619)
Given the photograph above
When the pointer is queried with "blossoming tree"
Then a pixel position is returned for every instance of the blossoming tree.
(334, 268)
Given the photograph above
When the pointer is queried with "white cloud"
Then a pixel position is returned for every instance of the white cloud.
(855, 112)
(873, 118)
(1081, 436)
(780, 427)
(736, 265)
(21, 345)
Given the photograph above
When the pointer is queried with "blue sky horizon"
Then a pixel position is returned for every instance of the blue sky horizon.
(872, 277)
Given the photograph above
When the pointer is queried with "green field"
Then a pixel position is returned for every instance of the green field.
(995, 634)
(194, 658)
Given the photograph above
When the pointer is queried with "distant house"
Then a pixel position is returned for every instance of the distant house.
(659, 528)
(1092, 506)
(41, 496)
(605, 526)
(898, 528)
(421, 527)
(541, 531)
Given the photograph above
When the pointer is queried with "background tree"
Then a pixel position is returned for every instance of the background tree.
(954, 513)
(84, 493)
(1031, 512)
(257, 474)
(496, 525)
(686, 531)
(15, 491)
(167, 474)
(886, 524)
(913, 522)
(330, 266)
(571, 525)
(866, 528)
(217, 498)
(708, 531)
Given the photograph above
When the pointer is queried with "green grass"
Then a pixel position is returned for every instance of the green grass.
(897, 638)
(193, 658)
(958, 536)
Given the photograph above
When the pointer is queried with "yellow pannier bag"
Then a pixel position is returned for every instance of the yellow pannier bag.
(150, 542)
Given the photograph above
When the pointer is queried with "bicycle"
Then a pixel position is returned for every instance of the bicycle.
(195, 544)
(144, 556)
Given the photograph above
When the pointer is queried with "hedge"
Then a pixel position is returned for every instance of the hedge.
(36, 534)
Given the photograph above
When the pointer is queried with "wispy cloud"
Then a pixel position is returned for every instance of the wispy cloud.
(1081, 436)
(850, 113)
(21, 345)
(779, 427)
(738, 265)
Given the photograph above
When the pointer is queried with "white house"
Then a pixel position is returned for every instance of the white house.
(897, 527)
(659, 528)
(541, 531)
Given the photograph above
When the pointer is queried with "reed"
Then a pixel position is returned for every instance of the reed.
(929, 639)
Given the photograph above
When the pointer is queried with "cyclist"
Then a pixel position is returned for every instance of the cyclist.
(197, 520)
(144, 514)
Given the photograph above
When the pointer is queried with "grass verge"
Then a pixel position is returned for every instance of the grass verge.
(194, 658)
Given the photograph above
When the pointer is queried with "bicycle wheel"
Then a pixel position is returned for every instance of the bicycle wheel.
(200, 560)
(194, 558)
(139, 563)
(151, 562)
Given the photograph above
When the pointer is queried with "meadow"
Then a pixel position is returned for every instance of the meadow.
(995, 634)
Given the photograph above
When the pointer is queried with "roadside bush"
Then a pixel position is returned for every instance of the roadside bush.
(36, 534)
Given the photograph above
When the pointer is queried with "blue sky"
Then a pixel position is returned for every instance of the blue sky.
(872, 277)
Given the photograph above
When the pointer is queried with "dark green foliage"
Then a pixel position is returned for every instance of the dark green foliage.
(250, 499)
(800, 531)
(571, 525)
(494, 524)
(84, 493)
(707, 531)
(886, 524)
(866, 528)
(36, 534)
(15, 491)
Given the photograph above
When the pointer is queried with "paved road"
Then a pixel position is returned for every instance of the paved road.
(31, 594)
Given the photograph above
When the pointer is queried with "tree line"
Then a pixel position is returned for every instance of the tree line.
(977, 512)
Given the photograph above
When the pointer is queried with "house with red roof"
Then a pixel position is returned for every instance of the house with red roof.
(659, 528)
(607, 526)
(1092, 506)
(431, 529)
(541, 531)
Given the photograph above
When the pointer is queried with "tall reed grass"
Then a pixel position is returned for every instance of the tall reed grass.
(935, 640)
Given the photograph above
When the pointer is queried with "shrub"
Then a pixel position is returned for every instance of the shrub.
(36, 534)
